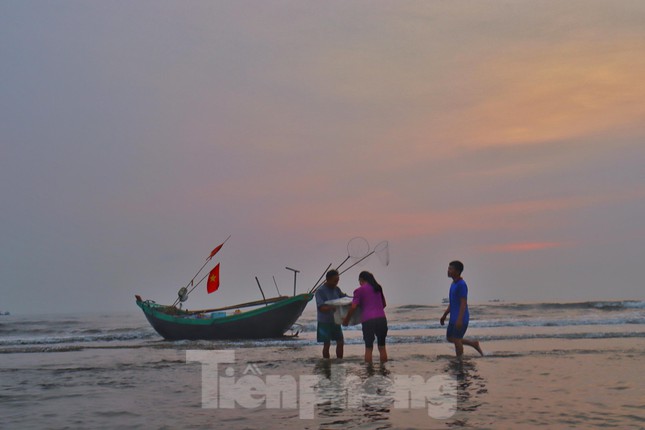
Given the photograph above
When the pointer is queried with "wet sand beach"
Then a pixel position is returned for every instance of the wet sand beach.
(569, 369)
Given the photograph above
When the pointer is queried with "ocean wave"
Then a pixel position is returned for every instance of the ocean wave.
(395, 339)
(23, 349)
(86, 338)
(42, 330)
(624, 320)
(411, 307)
(595, 305)
(431, 324)
(506, 337)
(94, 331)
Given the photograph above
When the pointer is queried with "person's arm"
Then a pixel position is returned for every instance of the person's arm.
(320, 302)
(445, 314)
(462, 311)
(350, 312)
(356, 302)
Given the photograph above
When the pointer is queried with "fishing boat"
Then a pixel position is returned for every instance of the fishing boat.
(262, 319)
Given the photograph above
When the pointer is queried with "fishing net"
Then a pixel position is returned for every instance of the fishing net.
(357, 248)
(358, 252)
(382, 251)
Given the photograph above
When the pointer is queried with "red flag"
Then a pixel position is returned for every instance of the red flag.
(215, 251)
(213, 280)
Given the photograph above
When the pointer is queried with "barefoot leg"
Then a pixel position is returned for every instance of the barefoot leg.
(473, 344)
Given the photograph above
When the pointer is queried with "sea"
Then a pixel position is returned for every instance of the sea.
(545, 365)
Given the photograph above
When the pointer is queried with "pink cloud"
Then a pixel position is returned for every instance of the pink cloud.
(524, 246)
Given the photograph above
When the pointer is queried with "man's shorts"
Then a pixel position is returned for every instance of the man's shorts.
(376, 327)
(326, 332)
(453, 333)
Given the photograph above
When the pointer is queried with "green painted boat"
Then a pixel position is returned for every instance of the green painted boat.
(268, 318)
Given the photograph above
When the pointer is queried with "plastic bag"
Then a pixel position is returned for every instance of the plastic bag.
(343, 306)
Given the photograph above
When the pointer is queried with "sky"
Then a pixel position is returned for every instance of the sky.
(137, 136)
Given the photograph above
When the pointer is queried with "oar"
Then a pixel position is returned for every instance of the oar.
(265, 299)
(358, 242)
(276, 286)
(340, 273)
(317, 284)
(344, 261)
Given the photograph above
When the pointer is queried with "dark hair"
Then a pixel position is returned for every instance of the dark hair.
(457, 265)
(369, 278)
(331, 274)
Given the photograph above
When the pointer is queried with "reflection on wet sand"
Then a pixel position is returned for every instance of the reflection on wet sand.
(346, 392)
(471, 388)
(373, 396)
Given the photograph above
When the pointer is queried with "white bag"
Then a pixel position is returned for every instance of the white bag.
(342, 306)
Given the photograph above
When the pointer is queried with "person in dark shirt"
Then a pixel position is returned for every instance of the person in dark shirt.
(327, 329)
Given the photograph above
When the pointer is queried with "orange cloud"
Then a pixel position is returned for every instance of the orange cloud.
(377, 213)
(524, 246)
(542, 94)
(367, 215)
(571, 90)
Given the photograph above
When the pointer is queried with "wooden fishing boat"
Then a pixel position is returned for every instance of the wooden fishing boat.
(262, 319)
(268, 318)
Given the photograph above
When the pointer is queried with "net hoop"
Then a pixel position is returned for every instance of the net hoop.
(357, 248)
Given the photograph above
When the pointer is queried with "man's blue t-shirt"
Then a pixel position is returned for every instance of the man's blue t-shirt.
(323, 294)
(458, 290)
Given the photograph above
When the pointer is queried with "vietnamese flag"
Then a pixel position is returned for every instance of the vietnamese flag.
(215, 251)
(213, 280)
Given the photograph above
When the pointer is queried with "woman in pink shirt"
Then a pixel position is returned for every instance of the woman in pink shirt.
(369, 297)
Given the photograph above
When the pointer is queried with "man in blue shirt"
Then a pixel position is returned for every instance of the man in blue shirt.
(327, 329)
(458, 310)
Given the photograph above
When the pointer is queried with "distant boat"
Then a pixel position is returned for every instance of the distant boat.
(445, 300)
(269, 318)
(5, 313)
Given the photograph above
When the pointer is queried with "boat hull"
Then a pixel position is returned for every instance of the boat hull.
(270, 321)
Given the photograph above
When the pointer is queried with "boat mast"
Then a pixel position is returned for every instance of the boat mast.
(295, 275)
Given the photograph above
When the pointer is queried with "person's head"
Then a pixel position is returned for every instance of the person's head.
(455, 268)
(332, 277)
(366, 277)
